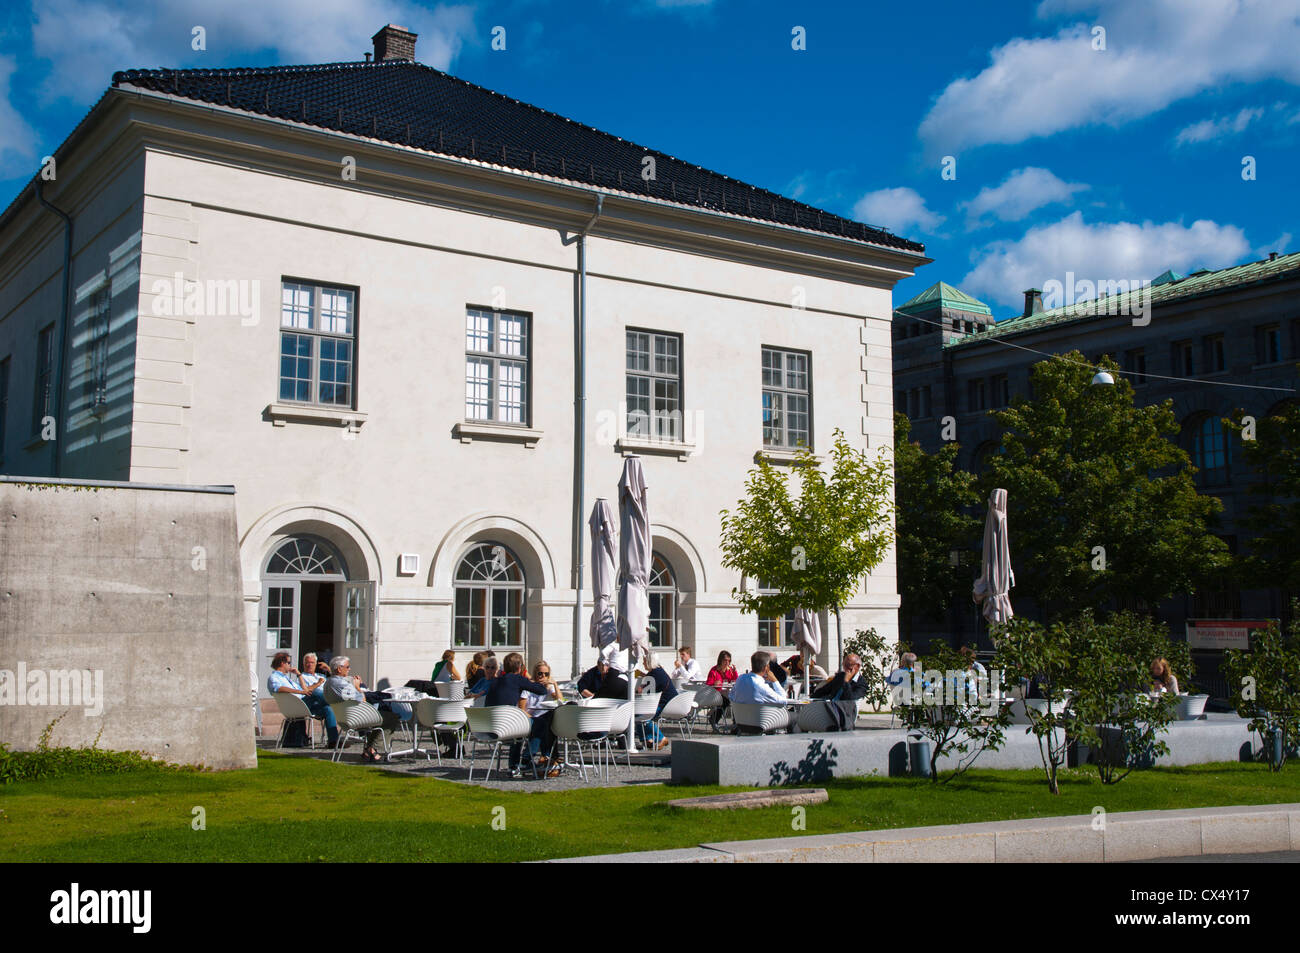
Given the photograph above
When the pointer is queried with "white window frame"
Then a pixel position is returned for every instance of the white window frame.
(777, 396)
(319, 327)
(507, 364)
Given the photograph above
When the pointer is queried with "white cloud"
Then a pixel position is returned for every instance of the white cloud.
(1157, 52)
(1279, 245)
(1219, 127)
(17, 138)
(1106, 251)
(87, 40)
(1023, 191)
(897, 210)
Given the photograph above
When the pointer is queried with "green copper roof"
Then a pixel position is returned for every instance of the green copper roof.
(1127, 303)
(943, 296)
(1166, 277)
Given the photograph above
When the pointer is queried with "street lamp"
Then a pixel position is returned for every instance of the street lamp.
(1102, 377)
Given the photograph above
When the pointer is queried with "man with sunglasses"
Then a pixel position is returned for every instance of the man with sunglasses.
(847, 685)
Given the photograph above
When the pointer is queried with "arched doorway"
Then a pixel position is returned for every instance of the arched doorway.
(310, 605)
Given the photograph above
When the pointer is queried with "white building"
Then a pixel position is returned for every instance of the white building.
(354, 292)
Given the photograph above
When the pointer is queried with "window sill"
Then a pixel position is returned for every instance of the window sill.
(472, 430)
(279, 414)
(36, 443)
(627, 446)
(782, 456)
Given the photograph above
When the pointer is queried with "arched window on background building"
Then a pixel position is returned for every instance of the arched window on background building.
(490, 588)
(663, 604)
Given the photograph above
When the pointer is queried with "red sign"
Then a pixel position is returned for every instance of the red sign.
(1223, 633)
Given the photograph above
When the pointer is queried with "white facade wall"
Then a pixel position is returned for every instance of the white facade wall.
(400, 480)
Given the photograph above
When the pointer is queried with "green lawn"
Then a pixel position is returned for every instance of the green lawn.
(300, 808)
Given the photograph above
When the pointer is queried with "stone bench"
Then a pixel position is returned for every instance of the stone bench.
(770, 760)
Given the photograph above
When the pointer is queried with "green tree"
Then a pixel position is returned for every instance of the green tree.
(1102, 502)
(932, 497)
(1114, 716)
(1031, 652)
(812, 548)
(1274, 516)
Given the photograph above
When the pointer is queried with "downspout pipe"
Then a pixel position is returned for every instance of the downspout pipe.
(580, 433)
(61, 366)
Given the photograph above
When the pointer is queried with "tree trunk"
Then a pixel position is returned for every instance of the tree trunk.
(839, 635)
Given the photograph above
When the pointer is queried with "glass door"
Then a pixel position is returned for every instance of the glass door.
(281, 605)
(357, 623)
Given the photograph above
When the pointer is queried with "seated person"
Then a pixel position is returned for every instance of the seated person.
(794, 666)
(720, 676)
(542, 740)
(778, 670)
(487, 675)
(847, 685)
(592, 678)
(667, 692)
(445, 670)
(508, 688)
(686, 666)
(474, 670)
(1162, 678)
(758, 686)
(313, 679)
(344, 686)
(614, 684)
(285, 678)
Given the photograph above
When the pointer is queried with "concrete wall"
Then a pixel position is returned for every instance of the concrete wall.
(138, 586)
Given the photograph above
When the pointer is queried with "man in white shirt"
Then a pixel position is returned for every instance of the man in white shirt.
(759, 686)
(686, 666)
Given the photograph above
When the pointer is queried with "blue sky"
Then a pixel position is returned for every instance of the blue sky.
(1112, 163)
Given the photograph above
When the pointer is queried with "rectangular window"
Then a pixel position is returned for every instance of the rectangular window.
(925, 401)
(1001, 390)
(1268, 344)
(95, 385)
(4, 404)
(787, 398)
(496, 366)
(976, 398)
(317, 344)
(1135, 362)
(1183, 363)
(900, 402)
(654, 385)
(43, 398)
(1215, 355)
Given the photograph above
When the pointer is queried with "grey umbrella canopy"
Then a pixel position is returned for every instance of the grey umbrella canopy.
(634, 564)
(604, 552)
(992, 588)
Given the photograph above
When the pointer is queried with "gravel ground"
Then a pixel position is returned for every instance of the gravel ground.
(645, 769)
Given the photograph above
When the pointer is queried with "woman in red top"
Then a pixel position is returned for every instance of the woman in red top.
(723, 672)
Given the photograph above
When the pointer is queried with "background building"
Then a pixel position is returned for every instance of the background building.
(353, 292)
(1239, 325)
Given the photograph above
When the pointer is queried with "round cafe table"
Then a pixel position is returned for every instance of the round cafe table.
(409, 704)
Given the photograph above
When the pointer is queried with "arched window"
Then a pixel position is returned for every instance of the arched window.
(305, 556)
(1211, 451)
(663, 604)
(489, 588)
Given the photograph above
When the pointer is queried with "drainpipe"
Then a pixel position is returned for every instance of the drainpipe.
(63, 325)
(580, 431)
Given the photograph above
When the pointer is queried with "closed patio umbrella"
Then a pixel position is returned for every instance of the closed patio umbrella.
(634, 563)
(807, 635)
(996, 578)
(604, 551)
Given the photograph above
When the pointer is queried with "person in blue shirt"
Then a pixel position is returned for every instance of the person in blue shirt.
(663, 684)
(284, 678)
(507, 689)
(759, 686)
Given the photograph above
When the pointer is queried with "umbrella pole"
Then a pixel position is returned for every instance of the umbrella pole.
(803, 657)
(631, 697)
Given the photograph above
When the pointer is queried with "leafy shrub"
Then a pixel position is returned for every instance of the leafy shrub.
(1265, 684)
(47, 762)
(878, 660)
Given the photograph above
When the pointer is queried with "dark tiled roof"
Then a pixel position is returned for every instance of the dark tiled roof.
(412, 104)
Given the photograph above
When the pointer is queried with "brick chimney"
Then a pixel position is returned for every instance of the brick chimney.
(1033, 302)
(394, 43)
